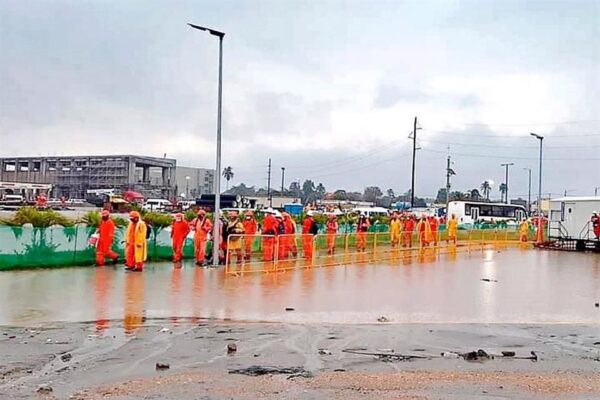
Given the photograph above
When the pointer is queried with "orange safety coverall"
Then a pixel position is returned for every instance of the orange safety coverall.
(136, 250)
(409, 227)
(201, 228)
(307, 237)
(269, 231)
(331, 229)
(433, 223)
(250, 229)
(424, 230)
(106, 235)
(179, 231)
(290, 240)
(361, 234)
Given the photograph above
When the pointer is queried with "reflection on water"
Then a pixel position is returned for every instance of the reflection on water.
(532, 286)
(133, 314)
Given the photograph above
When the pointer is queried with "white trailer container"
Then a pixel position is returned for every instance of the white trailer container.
(570, 217)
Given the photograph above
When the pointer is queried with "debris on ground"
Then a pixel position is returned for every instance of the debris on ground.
(383, 318)
(164, 330)
(231, 348)
(290, 309)
(324, 352)
(44, 389)
(597, 305)
(257, 370)
(385, 356)
(66, 357)
(476, 355)
(508, 354)
(162, 366)
(489, 280)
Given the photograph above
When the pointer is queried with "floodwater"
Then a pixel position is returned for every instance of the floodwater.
(527, 286)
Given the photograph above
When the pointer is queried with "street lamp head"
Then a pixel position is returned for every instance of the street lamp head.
(211, 31)
(536, 135)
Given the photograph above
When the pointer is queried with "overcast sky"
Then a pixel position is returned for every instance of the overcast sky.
(327, 89)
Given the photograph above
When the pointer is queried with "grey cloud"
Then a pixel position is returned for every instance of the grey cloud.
(390, 95)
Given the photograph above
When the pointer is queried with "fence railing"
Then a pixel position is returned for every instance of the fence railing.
(273, 253)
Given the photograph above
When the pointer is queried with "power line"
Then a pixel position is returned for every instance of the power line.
(508, 136)
(511, 156)
(510, 146)
(532, 123)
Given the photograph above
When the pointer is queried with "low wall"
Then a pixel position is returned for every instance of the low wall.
(57, 246)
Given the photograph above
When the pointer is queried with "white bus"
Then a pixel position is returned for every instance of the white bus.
(470, 212)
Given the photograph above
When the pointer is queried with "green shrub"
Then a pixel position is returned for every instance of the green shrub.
(39, 218)
(120, 221)
(158, 220)
(91, 218)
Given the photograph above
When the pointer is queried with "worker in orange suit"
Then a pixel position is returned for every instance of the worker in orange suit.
(289, 229)
(452, 227)
(524, 231)
(395, 229)
(179, 231)
(331, 229)
(362, 227)
(540, 229)
(433, 224)
(106, 236)
(269, 232)
(409, 227)
(136, 245)
(424, 230)
(309, 229)
(201, 226)
(250, 229)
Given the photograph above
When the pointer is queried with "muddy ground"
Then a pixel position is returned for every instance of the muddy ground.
(100, 360)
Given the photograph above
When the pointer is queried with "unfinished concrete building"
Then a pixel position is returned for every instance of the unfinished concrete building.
(73, 176)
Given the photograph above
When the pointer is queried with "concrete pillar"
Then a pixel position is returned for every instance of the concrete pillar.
(145, 174)
(131, 173)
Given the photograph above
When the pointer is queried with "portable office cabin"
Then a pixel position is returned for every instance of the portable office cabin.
(570, 216)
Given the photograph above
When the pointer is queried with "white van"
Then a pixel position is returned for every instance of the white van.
(370, 211)
(156, 205)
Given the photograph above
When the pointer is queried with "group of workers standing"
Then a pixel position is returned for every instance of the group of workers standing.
(278, 235)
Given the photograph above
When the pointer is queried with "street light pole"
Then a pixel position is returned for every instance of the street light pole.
(282, 179)
(506, 179)
(216, 236)
(529, 192)
(539, 199)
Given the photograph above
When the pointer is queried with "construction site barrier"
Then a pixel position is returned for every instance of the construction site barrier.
(286, 252)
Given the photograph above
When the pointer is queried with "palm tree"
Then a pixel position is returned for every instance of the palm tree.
(228, 175)
(503, 191)
(486, 188)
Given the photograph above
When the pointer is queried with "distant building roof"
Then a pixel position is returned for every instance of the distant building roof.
(583, 198)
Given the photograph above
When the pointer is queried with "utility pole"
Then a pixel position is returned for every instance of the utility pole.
(414, 153)
(529, 192)
(506, 179)
(269, 186)
(216, 236)
(449, 173)
(539, 200)
(282, 179)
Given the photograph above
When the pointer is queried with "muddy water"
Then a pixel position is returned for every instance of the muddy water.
(532, 287)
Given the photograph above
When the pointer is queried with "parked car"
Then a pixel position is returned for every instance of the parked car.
(157, 205)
